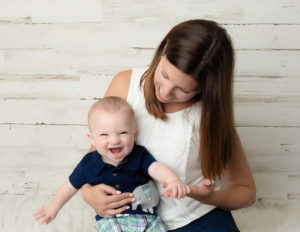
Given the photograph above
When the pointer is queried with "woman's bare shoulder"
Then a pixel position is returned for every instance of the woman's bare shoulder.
(119, 85)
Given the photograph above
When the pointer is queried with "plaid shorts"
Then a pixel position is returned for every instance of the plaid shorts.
(131, 223)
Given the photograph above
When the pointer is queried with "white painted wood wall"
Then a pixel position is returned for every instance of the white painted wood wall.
(58, 56)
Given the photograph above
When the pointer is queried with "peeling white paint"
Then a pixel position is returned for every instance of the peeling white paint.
(58, 56)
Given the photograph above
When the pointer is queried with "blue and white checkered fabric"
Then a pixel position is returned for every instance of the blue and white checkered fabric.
(131, 223)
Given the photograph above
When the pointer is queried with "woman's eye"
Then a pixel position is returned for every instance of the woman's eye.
(165, 76)
(184, 91)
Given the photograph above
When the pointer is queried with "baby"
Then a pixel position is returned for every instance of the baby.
(122, 164)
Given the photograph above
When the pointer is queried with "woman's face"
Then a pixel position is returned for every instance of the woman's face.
(172, 85)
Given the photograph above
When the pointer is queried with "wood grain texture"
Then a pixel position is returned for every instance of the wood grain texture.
(58, 56)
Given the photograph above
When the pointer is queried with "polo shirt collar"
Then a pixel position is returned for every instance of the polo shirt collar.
(131, 162)
(97, 164)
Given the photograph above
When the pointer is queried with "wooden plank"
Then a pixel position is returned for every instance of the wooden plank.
(274, 164)
(247, 89)
(271, 185)
(233, 11)
(39, 86)
(39, 110)
(294, 185)
(267, 36)
(267, 89)
(44, 136)
(54, 87)
(53, 62)
(261, 113)
(269, 63)
(271, 149)
(58, 62)
(265, 142)
(94, 86)
(35, 11)
(90, 36)
(32, 169)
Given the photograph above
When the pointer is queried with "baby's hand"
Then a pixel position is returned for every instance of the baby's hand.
(175, 189)
(46, 213)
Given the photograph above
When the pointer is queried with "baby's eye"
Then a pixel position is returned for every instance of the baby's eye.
(103, 134)
(124, 133)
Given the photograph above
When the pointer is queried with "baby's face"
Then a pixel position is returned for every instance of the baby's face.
(113, 135)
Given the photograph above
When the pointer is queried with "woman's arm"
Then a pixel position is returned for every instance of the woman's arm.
(240, 190)
(106, 200)
(119, 85)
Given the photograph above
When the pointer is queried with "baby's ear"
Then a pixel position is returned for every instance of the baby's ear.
(136, 134)
(91, 139)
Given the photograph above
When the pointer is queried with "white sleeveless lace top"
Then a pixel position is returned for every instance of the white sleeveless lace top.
(174, 143)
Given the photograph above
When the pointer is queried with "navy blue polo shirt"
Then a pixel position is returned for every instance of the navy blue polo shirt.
(125, 177)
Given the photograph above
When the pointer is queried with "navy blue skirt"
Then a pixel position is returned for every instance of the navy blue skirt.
(217, 220)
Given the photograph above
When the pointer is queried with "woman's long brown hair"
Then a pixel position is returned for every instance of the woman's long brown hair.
(202, 49)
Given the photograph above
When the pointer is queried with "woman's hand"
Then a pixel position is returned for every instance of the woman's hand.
(106, 200)
(201, 192)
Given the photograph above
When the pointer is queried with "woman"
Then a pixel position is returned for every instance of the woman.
(186, 94)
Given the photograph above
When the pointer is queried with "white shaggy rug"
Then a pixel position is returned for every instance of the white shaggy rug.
(17, 216)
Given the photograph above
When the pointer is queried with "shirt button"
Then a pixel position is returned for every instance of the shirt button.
(114, 174)
(117, 186)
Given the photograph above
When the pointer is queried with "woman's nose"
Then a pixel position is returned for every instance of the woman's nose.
(166, 91)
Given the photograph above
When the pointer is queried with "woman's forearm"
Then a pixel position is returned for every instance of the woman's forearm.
(235, 197)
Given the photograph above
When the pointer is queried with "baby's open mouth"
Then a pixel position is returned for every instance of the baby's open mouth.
(116, 150)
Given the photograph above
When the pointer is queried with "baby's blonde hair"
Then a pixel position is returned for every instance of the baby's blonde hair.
(110, 104)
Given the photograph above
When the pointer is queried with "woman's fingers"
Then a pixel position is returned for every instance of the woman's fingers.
(114, 204)
(202, 191)
(113, 212)
(207, 182)
(120, 200)
(108, 189)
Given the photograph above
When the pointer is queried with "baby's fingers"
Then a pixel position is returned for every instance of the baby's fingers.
(182, 191)
(45, 220)
(39, 214)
